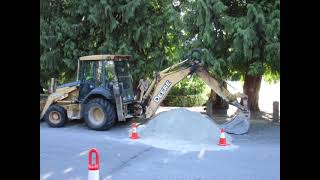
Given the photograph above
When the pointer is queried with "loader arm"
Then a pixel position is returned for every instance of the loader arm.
(169, 77)
(60, 94)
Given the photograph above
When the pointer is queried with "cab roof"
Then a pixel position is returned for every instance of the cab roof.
(105, 57)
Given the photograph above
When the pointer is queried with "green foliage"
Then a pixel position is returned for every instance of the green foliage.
(188, 92)
(189, 86)
(255, 47)
(203, 27)
(185, 101)
(240, 37)
(148, 30)
(271, 77)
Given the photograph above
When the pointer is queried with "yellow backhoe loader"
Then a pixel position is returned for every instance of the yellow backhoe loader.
(103, 93)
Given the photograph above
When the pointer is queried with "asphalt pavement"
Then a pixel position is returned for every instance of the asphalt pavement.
(63, 155)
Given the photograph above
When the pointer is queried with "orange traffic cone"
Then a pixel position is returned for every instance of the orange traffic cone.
(223, 140)
(134, 134)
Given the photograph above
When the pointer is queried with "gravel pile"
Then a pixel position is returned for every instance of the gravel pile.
(181, 129)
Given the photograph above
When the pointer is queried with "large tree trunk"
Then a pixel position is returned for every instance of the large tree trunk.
(251, 88)
(216, 104)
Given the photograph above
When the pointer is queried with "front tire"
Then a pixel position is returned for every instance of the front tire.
(56, 116)
(99, 114)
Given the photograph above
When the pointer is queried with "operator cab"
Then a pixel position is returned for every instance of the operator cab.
(105, 71)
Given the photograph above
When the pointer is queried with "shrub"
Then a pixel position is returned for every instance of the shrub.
(187, 93)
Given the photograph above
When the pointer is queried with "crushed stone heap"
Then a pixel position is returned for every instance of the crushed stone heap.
(172, 128)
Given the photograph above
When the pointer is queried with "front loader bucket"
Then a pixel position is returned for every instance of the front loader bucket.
(239, 124)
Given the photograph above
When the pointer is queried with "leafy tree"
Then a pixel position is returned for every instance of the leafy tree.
(203, 29)
(255, 48)
(56, 40)
(148, 30)
(242, 39)
(189, 92)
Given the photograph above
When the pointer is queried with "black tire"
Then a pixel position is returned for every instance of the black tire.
(56, 116)
(99, 114)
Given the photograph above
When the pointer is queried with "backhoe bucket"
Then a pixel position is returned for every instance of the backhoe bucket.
(239, 124)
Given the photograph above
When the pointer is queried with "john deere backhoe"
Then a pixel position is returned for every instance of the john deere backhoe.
(103, 93)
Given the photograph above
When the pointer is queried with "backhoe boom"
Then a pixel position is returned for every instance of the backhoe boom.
(169, 77)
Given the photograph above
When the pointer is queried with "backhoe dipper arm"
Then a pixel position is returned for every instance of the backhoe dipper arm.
(238, 124)
(217, 87)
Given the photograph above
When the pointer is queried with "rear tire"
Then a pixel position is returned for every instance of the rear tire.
(56, 116)
(99, 114)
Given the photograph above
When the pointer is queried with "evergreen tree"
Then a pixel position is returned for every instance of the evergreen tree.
(148, 30)
(242, 39)
(255, 48)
